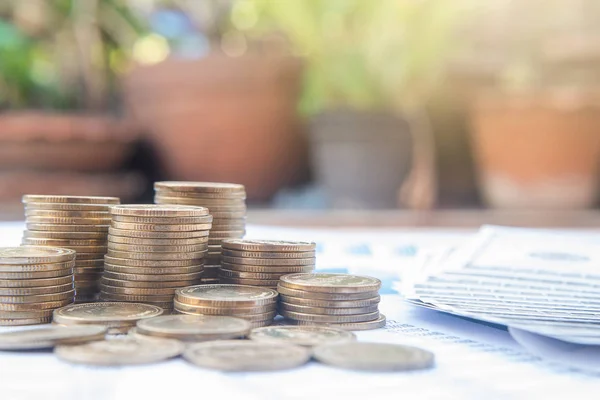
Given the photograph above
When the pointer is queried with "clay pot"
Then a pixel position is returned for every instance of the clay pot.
(223, 119)
(74, 142)
(360, 159)
(537, 151)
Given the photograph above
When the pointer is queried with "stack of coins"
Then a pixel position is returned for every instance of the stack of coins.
(227, 205)
(345, 301)
(256, 305)
(263, 262)
(153, 250)
(118, 317)
(34, 281)
(78, 223)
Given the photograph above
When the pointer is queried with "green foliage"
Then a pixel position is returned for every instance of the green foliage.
(383, 54)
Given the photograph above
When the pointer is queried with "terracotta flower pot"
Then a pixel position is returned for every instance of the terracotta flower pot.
(73, 142)
(537, 151)
(223, 119)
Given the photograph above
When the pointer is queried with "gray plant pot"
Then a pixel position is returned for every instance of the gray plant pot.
(360, 159)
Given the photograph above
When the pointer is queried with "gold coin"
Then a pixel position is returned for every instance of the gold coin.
(197, 256)
(196, 328)
(157, 235)
(37, 267)
(249, 282)
(152, 278)
(25, 314)
(327, 311)
(160, 228)
(373, 301)
(223, 310)
(127, 262)
(249, 275)
(30, 283)
(248, 317)
(200, 187)
(200, 196)
(203, 201)
(326, 296)
(268, 255)
(34, 198)
(155, 210)
(146, 285)
(285, 269)
(89, 263)
(137, 291)
(66, 228)
(78, 272)
(268, 245)
(34, 306)
(135, 298)
(331, 283)
(157, 249)
(269, 261)
(89, 249)
(226, 296)
(24, 321)
(63, 242)
(227, 215)
(68, 214)
(164, 220)
(34, 255)
(31, 206)
(68, 221)
(153, 270)
(105, 313)
(36, 274)
(158, 242)
(330, 318)
(167, 306)
(38, 290)
(89, 256)
(65, 235)
(42, 298)
(348, 326)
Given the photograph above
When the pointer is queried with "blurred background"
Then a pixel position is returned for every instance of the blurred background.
(313, 104)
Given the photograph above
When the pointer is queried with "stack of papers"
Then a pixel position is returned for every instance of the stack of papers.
(533, 281)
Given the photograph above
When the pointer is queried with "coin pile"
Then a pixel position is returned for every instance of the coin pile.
(117, 317)
(78, 223)
(227, 205)
(254, 304)
(34, 280)
(344, 301)
(153, 250)
(263, 262)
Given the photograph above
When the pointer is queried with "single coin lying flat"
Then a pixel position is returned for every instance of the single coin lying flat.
(374, 356)
(47, 337)
(301, 335)
(194, 327)
(246, 355)
(123, 350)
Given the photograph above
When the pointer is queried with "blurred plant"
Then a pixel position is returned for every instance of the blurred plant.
(64, 53)
(359, 54)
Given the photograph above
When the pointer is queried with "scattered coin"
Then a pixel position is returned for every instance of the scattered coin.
(194, 327)
(240, 355)
(302, 335)
(50, 336)
(374, 356)
(125, 350)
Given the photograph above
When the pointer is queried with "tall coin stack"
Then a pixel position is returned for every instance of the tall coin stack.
(153, 250)
(78, 223)
(227, 205)
(263, 262)
(254, 304)
(34, 281)
(341, 300)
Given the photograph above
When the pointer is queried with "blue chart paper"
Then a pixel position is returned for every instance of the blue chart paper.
(473, 361)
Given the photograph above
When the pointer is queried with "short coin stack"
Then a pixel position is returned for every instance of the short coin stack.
(345, 301)
(34, 281)
(153, 250)
(254, 304)
(78, 223)
(263, 262)
(226, 202)
(117, 317)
